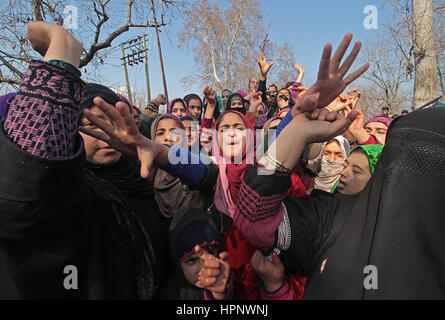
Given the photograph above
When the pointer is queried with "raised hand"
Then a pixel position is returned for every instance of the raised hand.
(122, 133)
(270, 272)
(354, 98)
(331, 81)
(162, 99)
(300, 71)
(210, 94)
(264, 66)
(54, 42)
(256, 100)
(214, 273)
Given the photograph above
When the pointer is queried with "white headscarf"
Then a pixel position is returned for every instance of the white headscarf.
(330, 170)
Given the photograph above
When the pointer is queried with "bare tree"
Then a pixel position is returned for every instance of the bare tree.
(387, 74)
(99, 23)
(220, 38)
(422, 41)
(224, 43)
(425, 56)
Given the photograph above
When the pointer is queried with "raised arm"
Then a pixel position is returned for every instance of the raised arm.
(42, 118)
(207, 121)
(264, 70)
(259, 211)
(152, 109)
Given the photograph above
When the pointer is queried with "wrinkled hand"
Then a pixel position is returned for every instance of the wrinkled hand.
(162, 99)
(330, 82)
(214, 273)
(210, 94)
(262, 62)
(122, 133)
(270, 272)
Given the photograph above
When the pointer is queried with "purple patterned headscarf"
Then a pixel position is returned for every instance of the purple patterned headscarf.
(385, 120)
(4, 104)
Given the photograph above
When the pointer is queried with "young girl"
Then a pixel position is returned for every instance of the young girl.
(191, 228)
(170, 193)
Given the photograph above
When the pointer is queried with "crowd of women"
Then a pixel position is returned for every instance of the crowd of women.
(258, 194)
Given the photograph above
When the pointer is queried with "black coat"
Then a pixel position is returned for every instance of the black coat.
(52, 217)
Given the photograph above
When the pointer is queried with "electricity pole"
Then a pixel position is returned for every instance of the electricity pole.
(159, 47)
(147, 79)
(137, 47)
(126, 74)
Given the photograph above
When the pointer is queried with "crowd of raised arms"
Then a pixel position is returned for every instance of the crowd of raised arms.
(245, 194)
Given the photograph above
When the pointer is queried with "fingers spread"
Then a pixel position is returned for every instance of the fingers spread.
(356, 74)
(340, 52)
(323, 72)
(95, 134)
(350, 59)
(100, 123)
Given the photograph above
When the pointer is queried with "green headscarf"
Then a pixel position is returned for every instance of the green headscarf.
(373, 152)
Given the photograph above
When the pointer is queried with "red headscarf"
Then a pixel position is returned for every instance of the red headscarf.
(231, 172)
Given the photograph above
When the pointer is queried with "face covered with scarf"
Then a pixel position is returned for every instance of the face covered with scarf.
(334, 154)
(358, 169)
(233, 148)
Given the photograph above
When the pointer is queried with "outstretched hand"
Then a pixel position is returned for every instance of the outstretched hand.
(122, 133)
(262, 62)
(331, 81)
(215, 272)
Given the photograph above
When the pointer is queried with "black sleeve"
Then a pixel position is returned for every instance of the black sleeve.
(262, 87)
(311, 222)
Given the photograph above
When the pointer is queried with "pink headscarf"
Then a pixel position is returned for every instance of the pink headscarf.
(231, 174)
(385, 120)
(170, 105)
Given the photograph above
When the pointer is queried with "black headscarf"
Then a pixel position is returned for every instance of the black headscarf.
(116, 183)
(189, 227)
(396, 224)
(238, 96)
